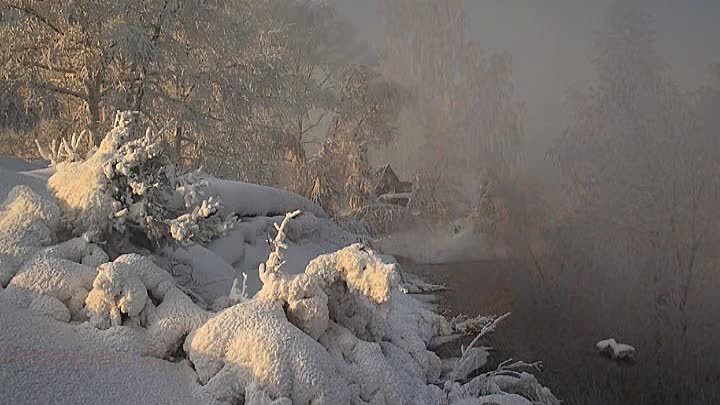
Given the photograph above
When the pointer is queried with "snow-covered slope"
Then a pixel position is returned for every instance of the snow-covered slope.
(43, 361)
(90, 316)
(11, 178)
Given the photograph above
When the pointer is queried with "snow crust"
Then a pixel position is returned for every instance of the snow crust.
(320, 319)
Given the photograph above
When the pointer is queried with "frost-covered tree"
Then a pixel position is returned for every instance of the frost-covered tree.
(128, 192)
(249, 88)
(64, 51)
(464, 122)
(196, 63)
(328, 90)
(365, 115)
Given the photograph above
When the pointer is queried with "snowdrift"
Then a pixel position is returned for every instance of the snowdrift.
(93, 313)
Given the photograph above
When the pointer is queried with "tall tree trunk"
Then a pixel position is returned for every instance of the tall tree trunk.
(298, 160)
(92, 103)
(177, 148)
(139, 91)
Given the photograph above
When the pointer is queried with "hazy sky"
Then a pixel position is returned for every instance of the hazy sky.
(551, 44)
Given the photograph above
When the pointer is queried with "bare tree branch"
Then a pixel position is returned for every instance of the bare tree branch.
(36, 15)
(62, 90)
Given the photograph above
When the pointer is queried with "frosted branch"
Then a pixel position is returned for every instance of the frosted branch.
(277, 257)
(65, 151)
(488, 328)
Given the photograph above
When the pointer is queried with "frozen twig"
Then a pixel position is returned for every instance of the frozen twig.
(488, 328)
(468, 354)
(277, 257)
(509, 365)
(238, 294)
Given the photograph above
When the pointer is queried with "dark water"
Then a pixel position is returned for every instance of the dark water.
(560, 328)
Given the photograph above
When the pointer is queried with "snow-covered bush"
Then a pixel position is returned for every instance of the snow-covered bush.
(130, 187)
(133, 291)
(66, 151)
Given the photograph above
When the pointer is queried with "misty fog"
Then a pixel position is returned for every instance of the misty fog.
(551, 46)
(618, 287)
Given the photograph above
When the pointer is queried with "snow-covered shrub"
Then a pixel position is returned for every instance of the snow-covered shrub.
(123, 287)
(133, 291)
(66, 151)
(130, 187)
(322, 326)
(505, 385)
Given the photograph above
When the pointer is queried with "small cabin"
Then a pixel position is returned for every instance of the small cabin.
(388, 182)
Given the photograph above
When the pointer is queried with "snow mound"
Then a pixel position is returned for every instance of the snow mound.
(252, 200)
(56, 280)
(253, 342)
(27, 223)
(50, 362)
(246, 246)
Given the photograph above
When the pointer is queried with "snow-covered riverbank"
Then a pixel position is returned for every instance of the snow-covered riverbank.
(91, 315)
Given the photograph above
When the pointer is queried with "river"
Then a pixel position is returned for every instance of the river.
(549, 327)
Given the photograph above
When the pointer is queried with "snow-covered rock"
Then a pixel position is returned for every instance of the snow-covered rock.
(615, 350)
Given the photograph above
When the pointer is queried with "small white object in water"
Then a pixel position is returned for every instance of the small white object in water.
(616, 351)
